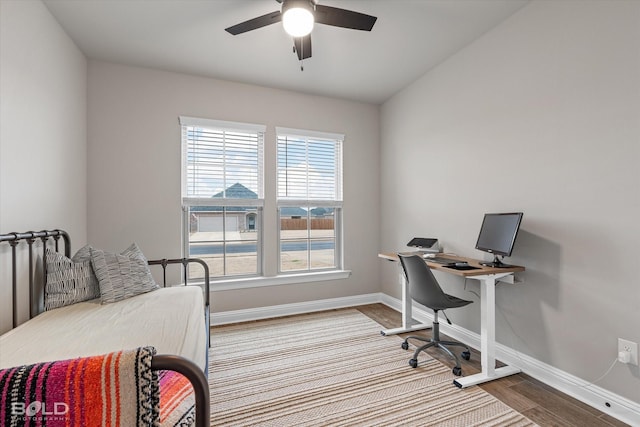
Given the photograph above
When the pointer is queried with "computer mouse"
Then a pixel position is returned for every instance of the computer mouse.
(461, 264)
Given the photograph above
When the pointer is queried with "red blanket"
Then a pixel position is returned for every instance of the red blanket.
(117, 389)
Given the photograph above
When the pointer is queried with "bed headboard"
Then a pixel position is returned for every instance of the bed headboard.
(38, 276)
(36, 284)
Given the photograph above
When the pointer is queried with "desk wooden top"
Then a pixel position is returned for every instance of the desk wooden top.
(482, 270)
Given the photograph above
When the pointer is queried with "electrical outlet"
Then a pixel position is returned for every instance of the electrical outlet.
(630, 347)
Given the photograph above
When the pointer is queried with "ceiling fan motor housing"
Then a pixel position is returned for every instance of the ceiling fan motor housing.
(298, 17)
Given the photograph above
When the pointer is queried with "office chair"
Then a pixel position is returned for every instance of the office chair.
(424, 288)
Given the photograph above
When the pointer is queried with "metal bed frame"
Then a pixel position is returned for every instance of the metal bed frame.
(190, 370)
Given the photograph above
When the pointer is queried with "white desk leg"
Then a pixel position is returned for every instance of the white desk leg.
(407, 316)
(487, 339)
(488, 326)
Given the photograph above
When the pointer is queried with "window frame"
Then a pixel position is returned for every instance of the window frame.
(190, 201)
(336, 203)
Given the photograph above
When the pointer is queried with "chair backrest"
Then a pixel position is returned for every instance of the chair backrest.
(423, 286)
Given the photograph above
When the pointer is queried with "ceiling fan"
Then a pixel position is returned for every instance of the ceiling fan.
(298, 17)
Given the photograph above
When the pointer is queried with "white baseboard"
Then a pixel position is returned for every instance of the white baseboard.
(249, 314)
(610, 403)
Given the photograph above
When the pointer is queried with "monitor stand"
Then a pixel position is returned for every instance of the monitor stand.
(496, 263)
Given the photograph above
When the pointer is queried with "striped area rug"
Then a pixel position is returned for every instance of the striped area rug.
(334, 368)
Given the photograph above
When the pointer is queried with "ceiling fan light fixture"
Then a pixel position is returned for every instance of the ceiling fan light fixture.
(297, 18)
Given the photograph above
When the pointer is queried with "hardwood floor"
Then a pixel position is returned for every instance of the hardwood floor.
(537, 401)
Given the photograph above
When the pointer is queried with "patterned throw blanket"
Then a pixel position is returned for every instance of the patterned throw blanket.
(117, 389)
(177, 400)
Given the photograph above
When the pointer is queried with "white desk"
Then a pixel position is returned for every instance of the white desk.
(488, 277)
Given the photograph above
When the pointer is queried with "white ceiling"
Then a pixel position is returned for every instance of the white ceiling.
(187, 36)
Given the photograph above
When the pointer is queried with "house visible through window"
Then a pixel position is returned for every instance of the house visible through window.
(222, 194)
(309, 200)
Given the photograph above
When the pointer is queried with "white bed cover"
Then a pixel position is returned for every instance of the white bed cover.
(169, 319)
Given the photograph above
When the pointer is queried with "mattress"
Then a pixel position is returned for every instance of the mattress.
(169, 319)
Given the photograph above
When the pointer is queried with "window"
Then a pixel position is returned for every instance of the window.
(222, 195)
(309, 200)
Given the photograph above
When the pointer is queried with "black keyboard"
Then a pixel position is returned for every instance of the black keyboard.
(462, 267)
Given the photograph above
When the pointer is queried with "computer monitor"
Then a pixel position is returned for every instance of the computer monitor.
(498, 234)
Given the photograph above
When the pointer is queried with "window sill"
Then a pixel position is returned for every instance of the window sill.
(283, 279)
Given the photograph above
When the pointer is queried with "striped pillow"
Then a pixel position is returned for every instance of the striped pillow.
(123, 275)
(69, 281)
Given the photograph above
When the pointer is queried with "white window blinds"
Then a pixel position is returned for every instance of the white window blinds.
(222, 162)
(309, 167)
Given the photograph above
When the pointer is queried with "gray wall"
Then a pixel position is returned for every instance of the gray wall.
(43, 87)
(540, 115)
(134, 168)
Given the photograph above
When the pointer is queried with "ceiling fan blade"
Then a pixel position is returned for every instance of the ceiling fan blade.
(303, 46)
(255, 23)
(344, 18)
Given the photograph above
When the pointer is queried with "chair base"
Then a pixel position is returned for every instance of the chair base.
(436, 342)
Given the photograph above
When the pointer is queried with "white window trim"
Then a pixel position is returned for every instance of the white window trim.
(193, 201)
(315, 203)
(187, 202)
(299, 133)
(284, 278)
(336, 203)
(230, 283)
(231, 126)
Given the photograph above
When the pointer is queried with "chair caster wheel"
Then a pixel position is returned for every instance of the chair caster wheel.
(466, 355)
(405, 345)
(413, 363)
(457, 371)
